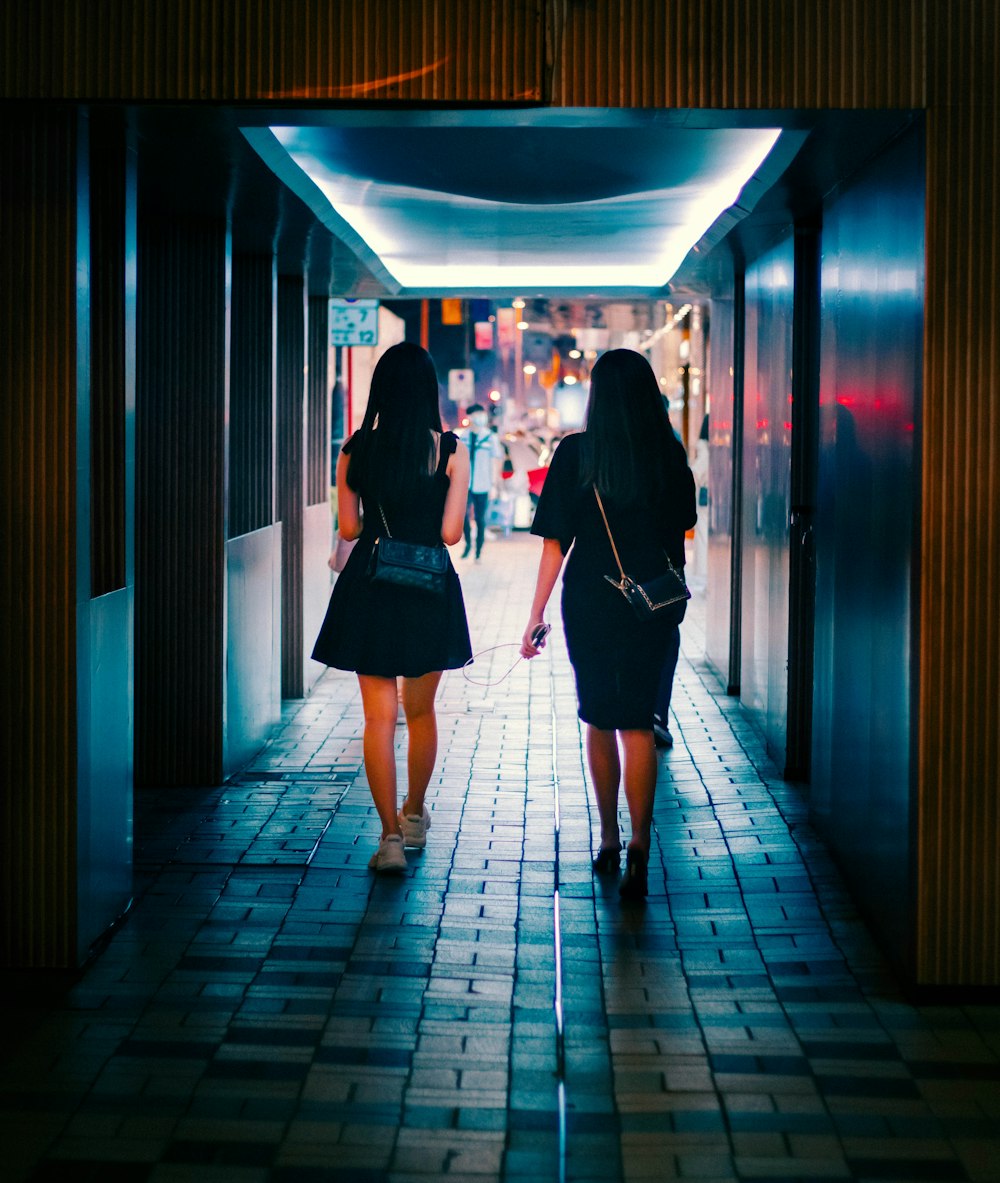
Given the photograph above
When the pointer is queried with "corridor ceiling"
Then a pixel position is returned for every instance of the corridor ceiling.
(524, 201)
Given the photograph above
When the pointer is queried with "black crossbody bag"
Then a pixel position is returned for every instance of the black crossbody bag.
(407, 564)
(662, 598)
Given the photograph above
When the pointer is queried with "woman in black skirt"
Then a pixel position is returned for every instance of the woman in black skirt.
(629, 453)
(398, 471)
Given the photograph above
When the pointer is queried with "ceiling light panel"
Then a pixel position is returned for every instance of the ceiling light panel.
(527, 208)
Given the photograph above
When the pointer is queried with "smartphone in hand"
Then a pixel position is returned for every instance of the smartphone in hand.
(539, 633)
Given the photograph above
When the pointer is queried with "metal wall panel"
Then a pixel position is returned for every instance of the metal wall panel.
(107, 367)
(274, 50)
(253, 644)
(767, 432)
(38, 538)
(180, 559)
(723, 506)
(105, 480)
(317, 539)
(871, 311)
(959, 669)
(104, 807)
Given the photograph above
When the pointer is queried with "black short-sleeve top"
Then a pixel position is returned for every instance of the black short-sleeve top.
(418, 518)
(568, 511)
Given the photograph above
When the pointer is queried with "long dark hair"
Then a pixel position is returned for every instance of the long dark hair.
(394, 448)
(629, 448)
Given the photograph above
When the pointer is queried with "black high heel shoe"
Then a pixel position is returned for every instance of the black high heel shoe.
(634, 885)
(608, 860)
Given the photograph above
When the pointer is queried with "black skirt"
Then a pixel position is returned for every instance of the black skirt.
(387, 631)
(617, 659)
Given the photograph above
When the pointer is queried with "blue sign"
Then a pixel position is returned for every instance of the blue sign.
(354, 322)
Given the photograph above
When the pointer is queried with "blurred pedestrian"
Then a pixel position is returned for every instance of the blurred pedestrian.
(399, 476)
(485, 458)
(629, 455)
(661, 711)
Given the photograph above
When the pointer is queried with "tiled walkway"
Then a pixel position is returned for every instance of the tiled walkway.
(272, 1012)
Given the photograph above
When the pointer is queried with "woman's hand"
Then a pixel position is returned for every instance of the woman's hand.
(533, 641)
(331, 562)
(549, 566)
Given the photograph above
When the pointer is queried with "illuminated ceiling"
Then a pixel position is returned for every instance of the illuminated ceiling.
(536, 201)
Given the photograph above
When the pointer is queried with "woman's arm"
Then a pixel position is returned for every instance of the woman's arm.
(549, 566)
(453, 518)
(348, 503)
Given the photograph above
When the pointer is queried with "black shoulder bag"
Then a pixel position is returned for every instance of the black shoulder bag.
(407, 564)
(662, 598)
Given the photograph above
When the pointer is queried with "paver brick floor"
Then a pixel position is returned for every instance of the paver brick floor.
(270, 1011)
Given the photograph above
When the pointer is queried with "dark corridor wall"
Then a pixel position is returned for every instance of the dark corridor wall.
(872, 291)
(718, 54)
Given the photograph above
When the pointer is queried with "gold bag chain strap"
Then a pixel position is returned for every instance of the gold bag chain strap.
(388, 533)
(611, 539)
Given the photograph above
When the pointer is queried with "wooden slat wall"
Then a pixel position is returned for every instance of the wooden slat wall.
(180, 451)
(290, 490)
(959, 673)
(318, 402)
(251, 395)
(38, 539)
(335, 50)
(739, 53)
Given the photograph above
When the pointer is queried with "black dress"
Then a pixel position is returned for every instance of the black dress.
(617, 658)
(375, 628)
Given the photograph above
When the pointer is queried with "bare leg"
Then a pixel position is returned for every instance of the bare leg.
(640, 784)
(421, 723)
(605, 770)
(378, 696)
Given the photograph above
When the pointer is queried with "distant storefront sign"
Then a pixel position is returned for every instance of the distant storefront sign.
(592, 340)
(484, 334)
(537, 348)
(506, 329)
(451, 312)
(353, 322)
(461, 386)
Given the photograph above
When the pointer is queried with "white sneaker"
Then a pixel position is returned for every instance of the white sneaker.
(389, 858)
(415, 828)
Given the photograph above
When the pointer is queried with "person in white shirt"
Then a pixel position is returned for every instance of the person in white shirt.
(485, 457)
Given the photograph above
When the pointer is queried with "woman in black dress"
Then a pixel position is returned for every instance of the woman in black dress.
(400, 465)
(630, 454)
